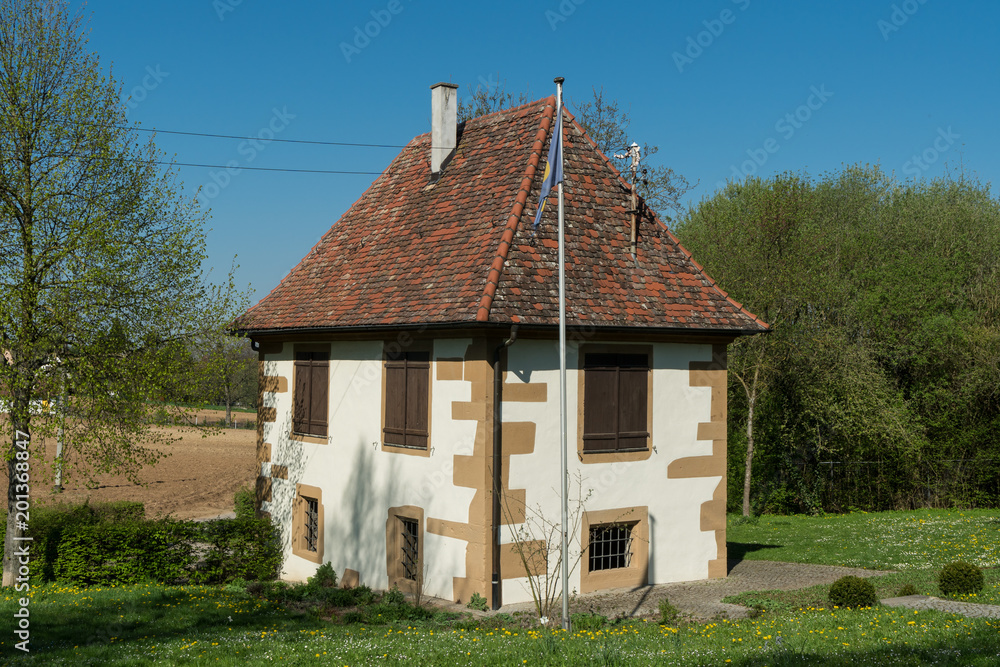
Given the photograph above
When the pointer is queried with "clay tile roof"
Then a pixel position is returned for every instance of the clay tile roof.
(462, 250)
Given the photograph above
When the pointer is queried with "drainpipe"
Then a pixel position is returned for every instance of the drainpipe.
(497, 460)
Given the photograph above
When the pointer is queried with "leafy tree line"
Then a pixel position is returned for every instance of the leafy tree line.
(879, 386)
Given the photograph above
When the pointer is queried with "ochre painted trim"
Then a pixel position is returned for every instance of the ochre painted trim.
(275, 384)
(312, 439)
(394, 548)
(263, 453)
(613, 457)
(263, 490)
(713, 512)
(449, 369)
(474, 471)
(269, 415)
(512, 565)
(637, 573)
(524, 392)
(299, 548)
(279, 472)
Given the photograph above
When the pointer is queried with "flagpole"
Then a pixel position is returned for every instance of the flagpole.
(563, 470)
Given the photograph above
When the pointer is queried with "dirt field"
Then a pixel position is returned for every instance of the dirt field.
(197, 479)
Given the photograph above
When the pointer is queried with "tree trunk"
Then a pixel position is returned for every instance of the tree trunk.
(751, 403)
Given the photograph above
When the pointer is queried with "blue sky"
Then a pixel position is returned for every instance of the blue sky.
(725, 88)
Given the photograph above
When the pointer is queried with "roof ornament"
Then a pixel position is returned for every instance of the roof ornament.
(635, 155)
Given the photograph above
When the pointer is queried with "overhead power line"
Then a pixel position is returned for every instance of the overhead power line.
(284, 141)
(239, 168)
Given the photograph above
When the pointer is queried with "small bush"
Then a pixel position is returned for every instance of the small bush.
(245, 503)
(325, 577)
(393, 596)
(245, 548)
(668, 612)
(959, 578)
(588, 622)
(852, 592)
(908, 589)
(477, 602)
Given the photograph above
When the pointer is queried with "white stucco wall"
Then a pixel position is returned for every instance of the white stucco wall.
(360, 481)
(678, 550)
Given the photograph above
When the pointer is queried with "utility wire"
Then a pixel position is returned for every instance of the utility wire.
(237, 167)
(284, 141)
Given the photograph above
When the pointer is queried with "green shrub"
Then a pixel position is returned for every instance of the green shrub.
(125, 553)
(960, 578)
(587, 622)
(325, 577)
(393, 596)
(478, 602)
(668, 612)
(245, 503)
(908, 589)
(852, 592)
(246, 548)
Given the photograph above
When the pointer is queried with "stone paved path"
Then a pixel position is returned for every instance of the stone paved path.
(970, 609)
(703, 599)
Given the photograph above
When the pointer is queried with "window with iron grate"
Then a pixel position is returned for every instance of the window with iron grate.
(610, 546)
(312, 524)
(410, 545)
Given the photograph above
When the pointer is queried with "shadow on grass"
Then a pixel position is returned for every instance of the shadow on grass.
(736, 551)
(160, 614)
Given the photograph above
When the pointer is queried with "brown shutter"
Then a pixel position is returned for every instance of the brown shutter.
(300, 395)
(418, 371)
(395, 403)
(600, 403)
(319, 400)
(633, 370)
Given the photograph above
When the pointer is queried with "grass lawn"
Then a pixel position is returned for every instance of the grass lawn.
(138, 625)
(915, 540)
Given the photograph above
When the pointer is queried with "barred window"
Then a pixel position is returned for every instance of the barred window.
(610, 546)
(410, 546)
(312, 524)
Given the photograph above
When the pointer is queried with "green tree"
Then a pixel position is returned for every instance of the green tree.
(882, 363)
(101, 285)
(609, 126)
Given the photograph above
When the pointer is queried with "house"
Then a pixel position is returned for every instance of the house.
(409, 421)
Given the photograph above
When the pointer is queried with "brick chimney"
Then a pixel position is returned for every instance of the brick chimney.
(444, 125)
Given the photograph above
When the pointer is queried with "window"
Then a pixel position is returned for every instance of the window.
(310, 397)
(615, 543)
(410, 556)
(404, 548)
(407, 390)
(615, 402)
(312, 523)
(610, 546)
(307, 523)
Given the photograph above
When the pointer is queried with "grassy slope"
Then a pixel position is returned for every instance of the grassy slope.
(206, 625)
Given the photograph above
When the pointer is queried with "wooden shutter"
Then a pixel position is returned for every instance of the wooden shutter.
(407, 390)
(310, 395)
(633, 376)
(600, 403)
(418, 374)
(615, 398)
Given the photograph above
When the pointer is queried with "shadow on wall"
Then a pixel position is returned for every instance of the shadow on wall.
(357, 540)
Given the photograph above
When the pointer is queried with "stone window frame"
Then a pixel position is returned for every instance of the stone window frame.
(637, 573)
(394, 548)
(300, 545)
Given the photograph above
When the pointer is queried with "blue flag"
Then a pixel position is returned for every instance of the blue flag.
(553, 168)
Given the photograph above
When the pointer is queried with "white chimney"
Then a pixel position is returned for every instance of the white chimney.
(444, 125)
